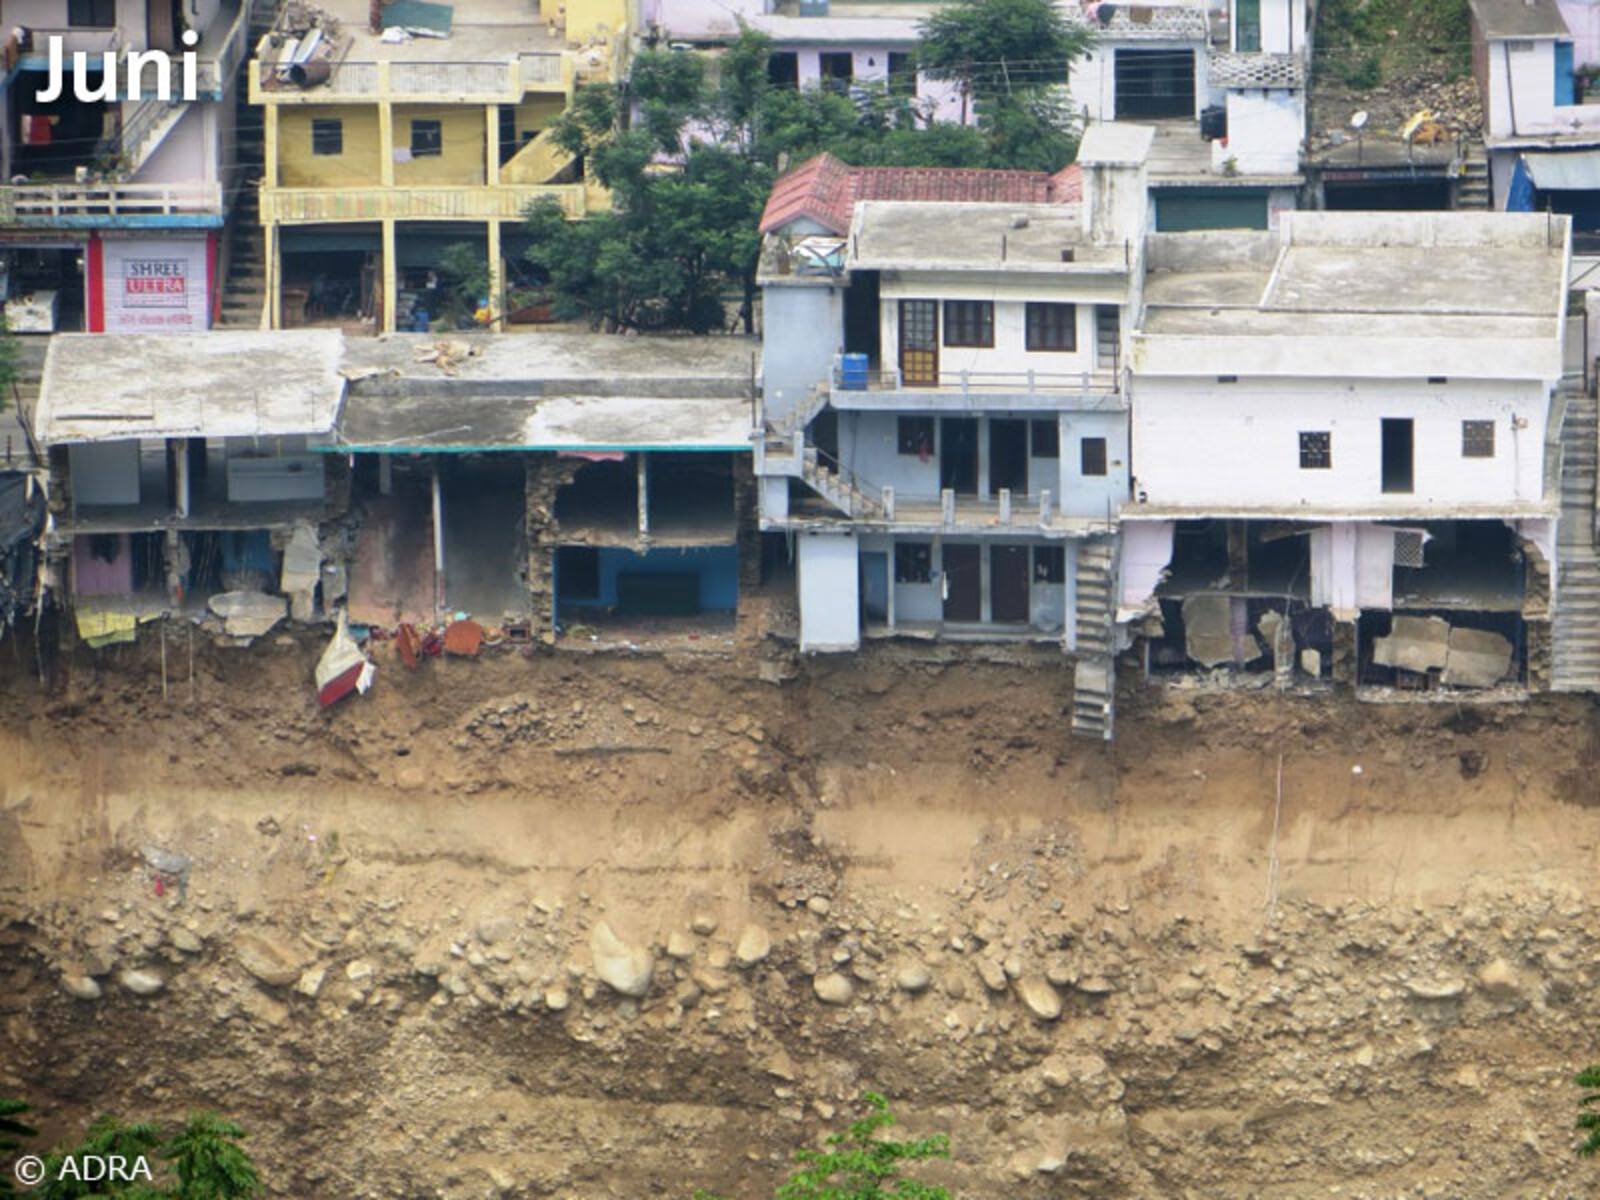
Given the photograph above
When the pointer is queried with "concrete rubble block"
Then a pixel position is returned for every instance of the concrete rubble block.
(1477, 658)
(1419, 644)
(626, 970)
(1208, 629)
(302, 569)
(248, 614)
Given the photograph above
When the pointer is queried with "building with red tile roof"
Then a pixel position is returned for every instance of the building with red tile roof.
(823, 191)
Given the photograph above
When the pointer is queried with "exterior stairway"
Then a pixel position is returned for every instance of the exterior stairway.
(1094, 679)
(1472, 189)
(244, 293)
(838, 489)
(1575, 625)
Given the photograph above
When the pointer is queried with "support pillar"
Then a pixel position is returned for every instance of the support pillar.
(438, 542)
(1344, 653)
(391, 284)
(1239, 555)
(181, 477)
(385, 128)
(272, 250)
(644, 496)
(497, 282)
(491, 142)
(385, 475)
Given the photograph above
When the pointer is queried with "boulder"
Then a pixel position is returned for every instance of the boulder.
(80, 987)
(1043, 1001)
(186, 940)
(141, 982)
(993, 975)
(913, 977)
(1498, 980)
(556, 999)
(272, 962)
(310, 983)
(680, 945)
(833, 988)
(625, 969)
(755, 943)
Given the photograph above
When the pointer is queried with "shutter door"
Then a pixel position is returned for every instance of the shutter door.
(1213, 208)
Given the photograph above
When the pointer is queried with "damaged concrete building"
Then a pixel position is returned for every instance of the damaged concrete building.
(186, 485)
(550, 480)
(1345, 449)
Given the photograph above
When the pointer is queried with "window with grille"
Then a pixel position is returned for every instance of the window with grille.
(427, 139)
(92, 14)
(914, 435)
(1407, 548)
(1046, 439)
(913, 562)
(968, 323)
(1477, 439)
(1049, 564)
(1052, 327)
(1092, 456)
(327, 136)
(1316, 451)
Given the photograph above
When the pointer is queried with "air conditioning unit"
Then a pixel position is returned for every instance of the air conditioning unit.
(813, 8)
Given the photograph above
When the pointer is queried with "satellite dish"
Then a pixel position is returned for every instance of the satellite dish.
(1359, 120)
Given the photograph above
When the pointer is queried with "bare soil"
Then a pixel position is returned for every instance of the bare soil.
(1373, 980)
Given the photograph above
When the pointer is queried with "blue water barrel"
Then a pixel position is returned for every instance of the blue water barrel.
(853, 372)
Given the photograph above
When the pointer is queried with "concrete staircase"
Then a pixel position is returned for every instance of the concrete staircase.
(1575, 624)
(1472, 189)
(1094, 678)
(838, 489)
(244, 292)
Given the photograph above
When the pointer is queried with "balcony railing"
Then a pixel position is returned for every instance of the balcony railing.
(452, 82)
(446, 203)
(1154, 20)
(980, 385)
(69, 203)
(90, 41)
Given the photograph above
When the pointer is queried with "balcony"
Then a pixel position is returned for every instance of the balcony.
(419, 82)
(301, 206)
(99, 205)
(1050, 391)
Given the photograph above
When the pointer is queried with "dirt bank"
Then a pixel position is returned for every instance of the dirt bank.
(889, 871)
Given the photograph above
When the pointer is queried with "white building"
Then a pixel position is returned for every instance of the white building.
(945, 425)
(101, 198)
(1351, 416)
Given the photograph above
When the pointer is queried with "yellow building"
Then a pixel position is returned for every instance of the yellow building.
(383, 148)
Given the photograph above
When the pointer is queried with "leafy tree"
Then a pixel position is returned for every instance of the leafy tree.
(998, 50)
(690, 175)
(860, 1165)
(1589, 1114)
(208, 1161)
(12, 1134)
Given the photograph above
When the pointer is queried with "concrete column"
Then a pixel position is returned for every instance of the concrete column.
(385, 475)
(273, 250)
(391, 285)
(438, 542)
(1345, 646)
(269, 134)
(491, 143)
(983, 458)
(181, 477)
(385, 128)
(644, 494)
(1239, 554)
(497, 283)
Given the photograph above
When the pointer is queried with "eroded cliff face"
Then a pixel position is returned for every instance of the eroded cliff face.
(595, 926)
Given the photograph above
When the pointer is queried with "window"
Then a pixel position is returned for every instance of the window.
(902, 74)
(92, 14)
(783, 69)
(327, 136)
(1046, 439)
(1477, 439)
(1316, 451)
(1049, 564)
(1092, 456)
(968, 323)
(837, 69)
(914, 435)
(1052, 327)
(1247, 25)
(913, 562)
(427, 139)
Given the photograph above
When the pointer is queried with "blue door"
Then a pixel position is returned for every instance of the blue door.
(1565, 92)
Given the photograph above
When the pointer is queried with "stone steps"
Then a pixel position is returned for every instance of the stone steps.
(1094, 671)
(1575, 623)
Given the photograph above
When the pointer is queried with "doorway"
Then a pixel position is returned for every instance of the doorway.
(919, 342)
(958, 455)
(1397, 455)
(1008, 583)
(963, 593)
(1008, 456)
(875, 585)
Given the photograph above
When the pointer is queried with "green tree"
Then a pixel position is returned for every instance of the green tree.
(998, 51)
(208, 1161)
(860, 1165)
(1589, 1110)
(13, 1132)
